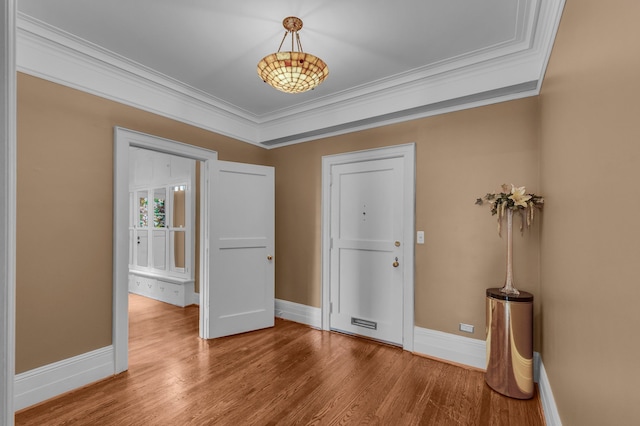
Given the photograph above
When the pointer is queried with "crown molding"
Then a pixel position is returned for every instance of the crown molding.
(49, 53)
(509, 70)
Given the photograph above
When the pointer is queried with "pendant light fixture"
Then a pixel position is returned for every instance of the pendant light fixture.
(293, 71)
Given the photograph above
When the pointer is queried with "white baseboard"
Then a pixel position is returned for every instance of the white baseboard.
(551, 415)
(450, 347)
(297, 312)
(195, 299)
(40, 384)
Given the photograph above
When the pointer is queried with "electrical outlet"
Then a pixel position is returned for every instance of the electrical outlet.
(467, 328)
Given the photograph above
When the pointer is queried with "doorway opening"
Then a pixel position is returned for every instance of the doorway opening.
(163, 194)
(124, 140)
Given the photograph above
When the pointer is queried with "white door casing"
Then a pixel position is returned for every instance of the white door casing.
(8, 218)
(241, 293)
(123, 139)
(367, 249)
(381, 255)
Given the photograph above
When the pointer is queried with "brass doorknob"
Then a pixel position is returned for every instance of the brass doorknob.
(396, 263)
(269, 257)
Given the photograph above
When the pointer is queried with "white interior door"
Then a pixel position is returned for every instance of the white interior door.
(240, 297)
(367, 249)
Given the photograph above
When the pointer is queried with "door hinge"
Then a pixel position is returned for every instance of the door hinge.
(331, 244)
(330, 307)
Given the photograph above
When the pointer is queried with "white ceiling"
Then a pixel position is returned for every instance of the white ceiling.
(196, 60)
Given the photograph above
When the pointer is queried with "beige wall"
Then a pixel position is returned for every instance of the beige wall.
(460, 156)
(64, 229)
(590, 156)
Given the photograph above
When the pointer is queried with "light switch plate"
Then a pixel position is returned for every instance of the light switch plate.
(420, 237)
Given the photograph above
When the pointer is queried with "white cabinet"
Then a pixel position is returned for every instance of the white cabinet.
(179, 293)
(172, 293)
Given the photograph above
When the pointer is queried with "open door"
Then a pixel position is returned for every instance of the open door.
(240, 296)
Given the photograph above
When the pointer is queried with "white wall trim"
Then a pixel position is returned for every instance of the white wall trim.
(8, 147)
(459, 349)
(46, 52)
(42, 383)
(451, 347)
(551, 415)
(297, 312)
(549, 22)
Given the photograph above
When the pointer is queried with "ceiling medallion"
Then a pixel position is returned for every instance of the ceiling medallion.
(293, 71)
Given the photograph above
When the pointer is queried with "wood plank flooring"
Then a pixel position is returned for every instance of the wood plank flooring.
(287, 375)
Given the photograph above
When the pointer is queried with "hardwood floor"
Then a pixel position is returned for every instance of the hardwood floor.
(289, 374)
